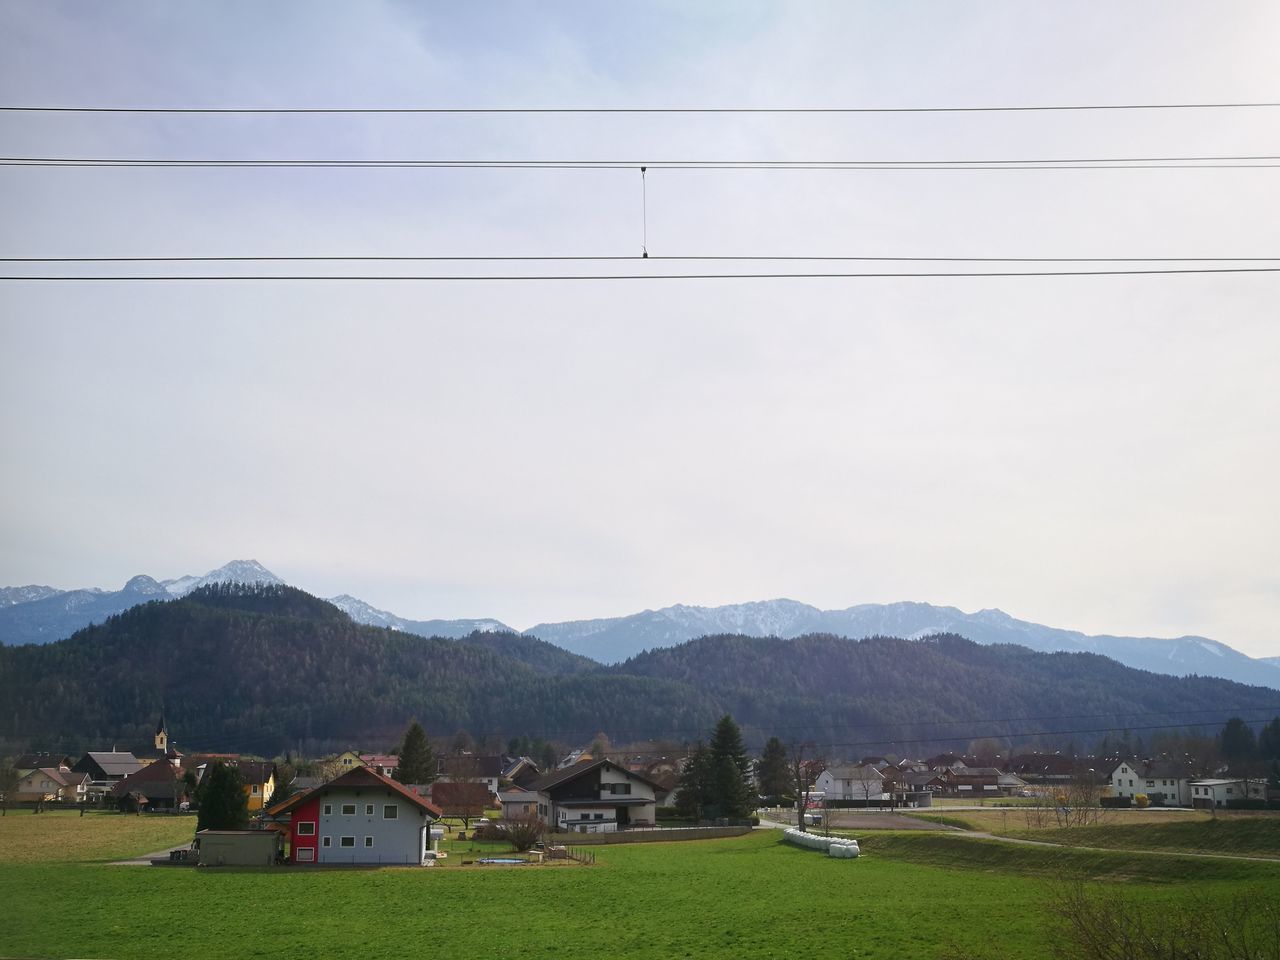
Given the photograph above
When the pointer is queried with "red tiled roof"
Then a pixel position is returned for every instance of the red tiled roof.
(357, 777)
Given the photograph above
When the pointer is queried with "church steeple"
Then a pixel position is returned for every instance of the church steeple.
(162, 735)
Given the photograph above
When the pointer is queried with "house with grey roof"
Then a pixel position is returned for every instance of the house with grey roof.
(596, 797)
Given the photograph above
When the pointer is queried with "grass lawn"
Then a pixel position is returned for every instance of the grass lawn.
(63, 836)
(747, 897)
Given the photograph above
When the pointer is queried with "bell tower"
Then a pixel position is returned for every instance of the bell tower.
(162, 735)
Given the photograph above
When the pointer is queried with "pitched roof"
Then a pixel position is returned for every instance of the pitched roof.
(357, 777)
(61, 777)
(155, 779)
(470, 766)
(256, 771)
(112, 763)
(854, 772)
(557, 777)
(35, 761)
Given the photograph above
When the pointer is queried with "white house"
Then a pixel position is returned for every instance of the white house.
(362, 816)
(1212, 792)
(1156, 779)
(597, 797)
(849, 782)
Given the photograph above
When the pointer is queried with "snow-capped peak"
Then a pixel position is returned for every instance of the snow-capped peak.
(237, 571)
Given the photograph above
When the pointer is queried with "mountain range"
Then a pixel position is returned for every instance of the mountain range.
(264, 668)
(40, 614)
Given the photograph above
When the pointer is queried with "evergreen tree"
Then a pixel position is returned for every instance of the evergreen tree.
(1273, 781)
(417, 762)
(731, 771)
(694, 788)
(1238, 744)
(1269, 740)
(773, 772)
(224, 805)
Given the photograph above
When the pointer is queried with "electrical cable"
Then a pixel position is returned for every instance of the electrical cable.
(1241, 105)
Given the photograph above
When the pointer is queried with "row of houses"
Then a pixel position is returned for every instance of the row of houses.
(153, 783)
(1170, 783)
(364, 816)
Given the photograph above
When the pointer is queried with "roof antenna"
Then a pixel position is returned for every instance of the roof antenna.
(644, 214)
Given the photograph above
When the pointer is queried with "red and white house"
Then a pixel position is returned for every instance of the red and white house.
(361, 816)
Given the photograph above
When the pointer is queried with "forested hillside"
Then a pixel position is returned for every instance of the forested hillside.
(937, 691)
(265, 668)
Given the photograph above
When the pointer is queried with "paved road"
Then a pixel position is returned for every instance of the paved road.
(145, 859)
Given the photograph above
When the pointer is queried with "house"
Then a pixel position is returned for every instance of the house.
(26, 762)
(361, 816)
(259, 781)
(107, 766)
(45, 784)
(1218, 792)
(384, 763)
(1042, 768)
(259, 776)
(852, 782)
(1162, 781)
(160, 785)
(1010, 784)
(596, 797)
(348, 759)
(970, 782)
(520, 771)
(468, 767)
(518, 803)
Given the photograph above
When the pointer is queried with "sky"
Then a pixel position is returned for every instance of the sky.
(1095, 453)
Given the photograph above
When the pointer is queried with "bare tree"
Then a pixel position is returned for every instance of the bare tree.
(806, 766)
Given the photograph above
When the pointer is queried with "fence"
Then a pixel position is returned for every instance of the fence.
(650, 835)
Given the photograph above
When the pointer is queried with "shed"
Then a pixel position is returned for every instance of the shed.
(239, 848)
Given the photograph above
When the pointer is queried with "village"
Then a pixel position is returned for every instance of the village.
(357, 808)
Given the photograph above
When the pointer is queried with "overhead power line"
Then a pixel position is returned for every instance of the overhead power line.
(504, 278)
(1006, 108)
(381, 258)
(1069, 163)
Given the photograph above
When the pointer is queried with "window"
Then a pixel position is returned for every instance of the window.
(306, 829)
(599, 816)
(348, 809)
(346, 841)
(328, 809)
(255, 789)
(1151, 783)
(368, 809)
(306, 853)
(326, 841)
(368, 841)
(390, 811)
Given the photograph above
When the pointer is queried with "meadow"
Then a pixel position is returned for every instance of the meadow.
(924, 895)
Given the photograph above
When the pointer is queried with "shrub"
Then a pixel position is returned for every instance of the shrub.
(1140, 801)
(523, 832)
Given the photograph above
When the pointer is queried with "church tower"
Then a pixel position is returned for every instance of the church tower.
(162, 735)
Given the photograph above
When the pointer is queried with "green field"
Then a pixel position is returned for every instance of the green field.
(919, 895)
(63, 836)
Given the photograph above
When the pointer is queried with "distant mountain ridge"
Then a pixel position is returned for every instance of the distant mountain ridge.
(267, 668)
(49, 616)
(614, 639)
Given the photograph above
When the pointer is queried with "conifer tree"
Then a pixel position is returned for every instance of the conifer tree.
(693, 791)
(731, 771)
(774, 776)
(417, 762)
(224, 805)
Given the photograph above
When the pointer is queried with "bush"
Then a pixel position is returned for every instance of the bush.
(1120, 802)
(1141, 802)
(666, 813)
(523, 832)
(1249, 803)
(488, 831)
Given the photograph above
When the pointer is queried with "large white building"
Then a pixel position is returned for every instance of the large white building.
(361, 816)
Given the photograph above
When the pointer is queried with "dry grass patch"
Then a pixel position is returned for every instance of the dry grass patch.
(63, 836)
